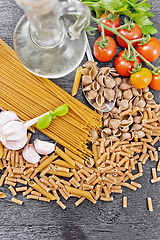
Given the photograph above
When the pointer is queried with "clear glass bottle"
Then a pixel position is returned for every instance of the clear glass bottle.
(48, 40)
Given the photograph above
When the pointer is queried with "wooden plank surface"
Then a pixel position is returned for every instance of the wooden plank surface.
(105, 220)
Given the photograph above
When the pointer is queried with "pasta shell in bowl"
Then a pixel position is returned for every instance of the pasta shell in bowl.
(99, 87)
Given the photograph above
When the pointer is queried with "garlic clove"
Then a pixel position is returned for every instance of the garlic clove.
(30, 155)
(43, 147)
(7, 116)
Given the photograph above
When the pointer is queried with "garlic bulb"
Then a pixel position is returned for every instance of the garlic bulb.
(7, 116)
(43, 147)
(30, 155)
(13, 133)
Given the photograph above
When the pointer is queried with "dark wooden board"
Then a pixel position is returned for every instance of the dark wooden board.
(105, 220)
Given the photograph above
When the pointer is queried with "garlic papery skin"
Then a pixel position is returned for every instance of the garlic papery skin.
(43, 147)
(7, 116)
(30, 155)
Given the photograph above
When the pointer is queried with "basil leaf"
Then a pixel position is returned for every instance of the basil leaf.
(44, 121)
(61, 110)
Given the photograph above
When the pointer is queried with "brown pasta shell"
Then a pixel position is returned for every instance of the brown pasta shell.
(92, 94)
(93, 72)
(109, 82)
(113, 138)
(118, 101)
(136, 127)
(137, 119)
(100, 100)
(124, 86)
(125, 80)
(114, 74)
(145, 90)
(89, 64)
(86, 80)
(109, 94)
(128, 94)
(135, 101)
(135, 92)
(157, 108)
(105, 132)
(117, 132)
(148, 95)
(85, 71)
(96, 86)
(114, 123)
(104, 70)
(106, 122)
(139, 134)
(123, 105)
(141, 104)
(124, 129)
(125, 136)
(105, 115)
(108, 143)
(87, 88)
(115, 110)
(100, 80)
(119, 93)
(94, 135)
(118, 81)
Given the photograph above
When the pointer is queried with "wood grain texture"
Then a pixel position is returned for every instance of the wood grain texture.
(106, 220)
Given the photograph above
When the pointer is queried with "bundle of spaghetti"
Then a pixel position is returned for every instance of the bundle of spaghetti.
(30, 96)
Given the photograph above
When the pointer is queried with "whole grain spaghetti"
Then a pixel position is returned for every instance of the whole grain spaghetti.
(30, 96)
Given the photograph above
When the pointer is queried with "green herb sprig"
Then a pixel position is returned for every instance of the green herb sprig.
(45, 121)
(138, 11)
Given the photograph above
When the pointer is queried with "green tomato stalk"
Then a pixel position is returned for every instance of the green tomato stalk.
(129, 43)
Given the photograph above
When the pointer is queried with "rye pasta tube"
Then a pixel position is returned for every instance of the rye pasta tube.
(64, 156)
(41, 190)
(78, 192)
(76, 81)
(46, 162)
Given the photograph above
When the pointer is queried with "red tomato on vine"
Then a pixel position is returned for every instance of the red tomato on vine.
(151, 50)
(112, 23)
(104, 52)
(133, 34)
(155, 83)
(124, 66)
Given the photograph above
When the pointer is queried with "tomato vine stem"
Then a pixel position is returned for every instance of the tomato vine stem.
(129, 43)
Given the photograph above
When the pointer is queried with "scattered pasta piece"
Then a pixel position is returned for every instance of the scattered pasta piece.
(124, 201)
(17, 201)
(149, 201)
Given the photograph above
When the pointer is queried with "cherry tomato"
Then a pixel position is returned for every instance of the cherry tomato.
(135, 33)
(141, 79)
(155, 83)
(151, 50)
(124, 67)
(107, 53)
(109, 23)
